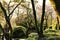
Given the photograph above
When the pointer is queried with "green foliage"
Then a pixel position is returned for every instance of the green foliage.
(49, 30)
(0, 31)
(16, 39)
(18, 0)
(21, 28)
(33, 36)
(51, 38)
(19, 31)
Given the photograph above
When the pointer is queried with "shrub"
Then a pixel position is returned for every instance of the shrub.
(19, 31)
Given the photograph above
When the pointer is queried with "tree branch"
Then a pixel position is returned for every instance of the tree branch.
(14, 9)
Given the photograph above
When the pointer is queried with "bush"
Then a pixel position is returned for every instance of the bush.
(19, 31)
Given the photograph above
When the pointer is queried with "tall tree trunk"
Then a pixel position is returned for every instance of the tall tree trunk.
(34, 13)
(42, 19)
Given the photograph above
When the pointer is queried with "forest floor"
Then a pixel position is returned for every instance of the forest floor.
(51, 35)
(48, 35)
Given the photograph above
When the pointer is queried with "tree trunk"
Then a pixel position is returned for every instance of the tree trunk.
(42, 19)
(34, 13)
(2, 31)
(6, 17)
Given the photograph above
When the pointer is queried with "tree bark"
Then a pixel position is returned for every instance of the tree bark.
(42, 19)
(34, 13)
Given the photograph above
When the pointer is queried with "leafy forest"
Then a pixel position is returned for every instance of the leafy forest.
(29, 19)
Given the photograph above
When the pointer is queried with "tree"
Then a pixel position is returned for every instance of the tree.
(42, 19)
(7, 17)
(2, 31)
(34, 13)
(56, 6)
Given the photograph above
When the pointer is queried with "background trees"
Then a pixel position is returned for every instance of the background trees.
(27, 13)
(7, 18)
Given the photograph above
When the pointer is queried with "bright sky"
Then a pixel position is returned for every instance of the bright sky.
(39, 1)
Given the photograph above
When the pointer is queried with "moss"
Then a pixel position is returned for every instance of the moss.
(33, 36)
(51, 38)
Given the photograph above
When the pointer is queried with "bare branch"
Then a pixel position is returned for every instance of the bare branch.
(14, 9)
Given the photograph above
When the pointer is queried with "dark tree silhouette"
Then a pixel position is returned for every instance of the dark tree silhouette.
(42, 19)
(34, 13)
(2, 31)
(57, 6)
(8, 19)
